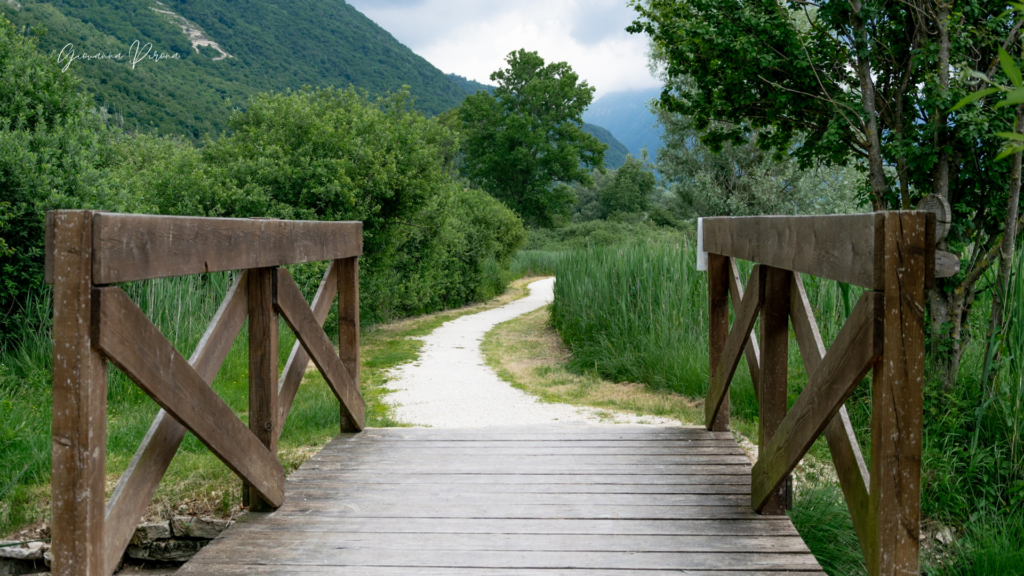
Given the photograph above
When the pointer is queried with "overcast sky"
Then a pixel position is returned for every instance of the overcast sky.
(472, 37)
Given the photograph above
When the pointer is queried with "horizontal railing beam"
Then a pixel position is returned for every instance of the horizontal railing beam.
(129, 247)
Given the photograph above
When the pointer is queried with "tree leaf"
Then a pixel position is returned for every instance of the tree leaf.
(974, 98)
(1009, 151)
(1010, 67)
(1011, 135)
(1015, 97)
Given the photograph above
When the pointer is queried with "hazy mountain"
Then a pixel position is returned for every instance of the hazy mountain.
(221, 51)
(627, 117)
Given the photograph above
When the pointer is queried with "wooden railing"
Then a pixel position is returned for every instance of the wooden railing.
(892, 254)
(95, 322)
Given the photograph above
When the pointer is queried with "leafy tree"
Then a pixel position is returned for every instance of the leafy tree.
(744, 180)
(49, 146)
(864, 81)
(631, 189)
(525, 143)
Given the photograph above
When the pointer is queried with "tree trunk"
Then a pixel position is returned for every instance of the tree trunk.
(876, 170)
(1002, 287)
(940, 183)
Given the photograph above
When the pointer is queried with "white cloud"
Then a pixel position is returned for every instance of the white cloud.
(472, 37)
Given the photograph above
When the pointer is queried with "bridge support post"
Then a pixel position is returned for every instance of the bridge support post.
(348, 325)
(263, 359)
(718, 313)
(898, 399)
(79, 403)
(774, 369)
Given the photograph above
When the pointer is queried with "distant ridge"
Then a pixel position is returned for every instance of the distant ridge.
(227, 50)
(614, 157)
(627, 117)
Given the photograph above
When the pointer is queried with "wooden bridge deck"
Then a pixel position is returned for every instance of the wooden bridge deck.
(516, 501)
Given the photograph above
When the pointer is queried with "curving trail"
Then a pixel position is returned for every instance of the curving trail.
(450, 386)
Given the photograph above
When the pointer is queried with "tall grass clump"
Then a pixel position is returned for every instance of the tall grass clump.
(535, 263)
(636, 312)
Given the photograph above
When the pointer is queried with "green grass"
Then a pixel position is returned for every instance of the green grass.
(535, 263)
(637, 312)
(196, 482)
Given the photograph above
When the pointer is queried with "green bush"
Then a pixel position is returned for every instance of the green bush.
(49, 144)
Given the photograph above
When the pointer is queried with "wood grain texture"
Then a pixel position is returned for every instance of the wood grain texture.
(774, 392)
(48, 246)
(79, 404)
(296, 312)
(341, 520)
(132, 343)
(718, 316)
(298, 360)
(746, 315)
(263, 359)
(842, 441)
(348, 327)
(855, 350)
(138, 484)
(836, 247)
(753, 349)
(897, 401)
(136, 247)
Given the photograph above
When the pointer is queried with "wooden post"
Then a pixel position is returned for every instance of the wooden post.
(348, 324)
(718, 314)
(774, 369)
(897, 400)
(263, 342)
(79, 404)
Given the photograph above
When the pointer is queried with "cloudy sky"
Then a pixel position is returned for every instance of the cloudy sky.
(472, 37)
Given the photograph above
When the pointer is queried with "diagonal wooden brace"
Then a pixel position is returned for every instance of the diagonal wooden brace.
(746, 315)
(137, 347)
(293, 308)
(752, 351)
(856, 349)
(135, 489)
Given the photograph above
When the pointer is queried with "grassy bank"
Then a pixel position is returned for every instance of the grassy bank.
(636, 312)
(196, 482)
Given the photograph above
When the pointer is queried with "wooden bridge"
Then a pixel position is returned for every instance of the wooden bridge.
(524, 501)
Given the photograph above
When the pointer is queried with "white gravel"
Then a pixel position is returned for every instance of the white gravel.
(450, 386)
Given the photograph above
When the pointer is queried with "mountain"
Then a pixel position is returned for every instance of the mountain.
(614, 156)
(209, 56)
(627, 117)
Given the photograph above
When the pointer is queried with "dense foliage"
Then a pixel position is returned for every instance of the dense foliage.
(524, 143)
(49, 144)
(272, 47)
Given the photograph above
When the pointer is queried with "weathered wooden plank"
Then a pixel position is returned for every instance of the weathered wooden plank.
(131, 342)
(282, 522)
(135, 488)
(348, 328)
(541, 449)
(285, 553)
(296, 312)
(774, 392)
(263, 359)
(499, 435)
(350, 486)
(856, 349)
(295, 368)
(568, 462)
(897, 401)
(718, 316)
(415, 498)
(836, 247)
(623, 481)
(289, 569)
(746, 315)
(48, 247)
(136, 247)
(842, 441)
(79, 403)
(753, 349)
(533, 542)
(507, 510)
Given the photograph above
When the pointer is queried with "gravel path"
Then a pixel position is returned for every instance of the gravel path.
(450, 386)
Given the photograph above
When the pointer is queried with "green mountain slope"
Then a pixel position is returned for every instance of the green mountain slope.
(272, 46)
(614, 156)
